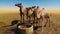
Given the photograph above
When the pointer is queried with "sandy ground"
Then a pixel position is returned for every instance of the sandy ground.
(53, 29)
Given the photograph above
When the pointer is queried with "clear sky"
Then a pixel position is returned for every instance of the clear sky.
(49, 4)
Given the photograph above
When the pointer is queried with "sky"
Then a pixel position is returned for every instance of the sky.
(8, 6)
(49, 4)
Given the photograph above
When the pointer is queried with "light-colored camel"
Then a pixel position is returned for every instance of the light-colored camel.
(24, 11)
(36, 12)
(43, 14)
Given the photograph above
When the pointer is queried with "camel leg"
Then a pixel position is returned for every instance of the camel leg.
(36, 21)
(42, 23)
(29, 19)
(40, 20)
(23, 18)
(47, 21)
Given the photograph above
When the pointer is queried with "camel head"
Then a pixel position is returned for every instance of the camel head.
(37, 6)
(33, 6)
(28, 8)
(18, 5)
(43, 8)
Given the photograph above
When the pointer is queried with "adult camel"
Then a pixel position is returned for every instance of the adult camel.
(21, 12)
(25, 11)
(44, 15)
(41, 14)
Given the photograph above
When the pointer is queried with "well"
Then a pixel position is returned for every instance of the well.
(26, 29)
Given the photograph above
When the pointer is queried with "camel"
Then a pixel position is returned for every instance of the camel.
(34, 12)
(27, 11)
(41, 15)
(24, 11)
(46, 16)
(20, 6)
